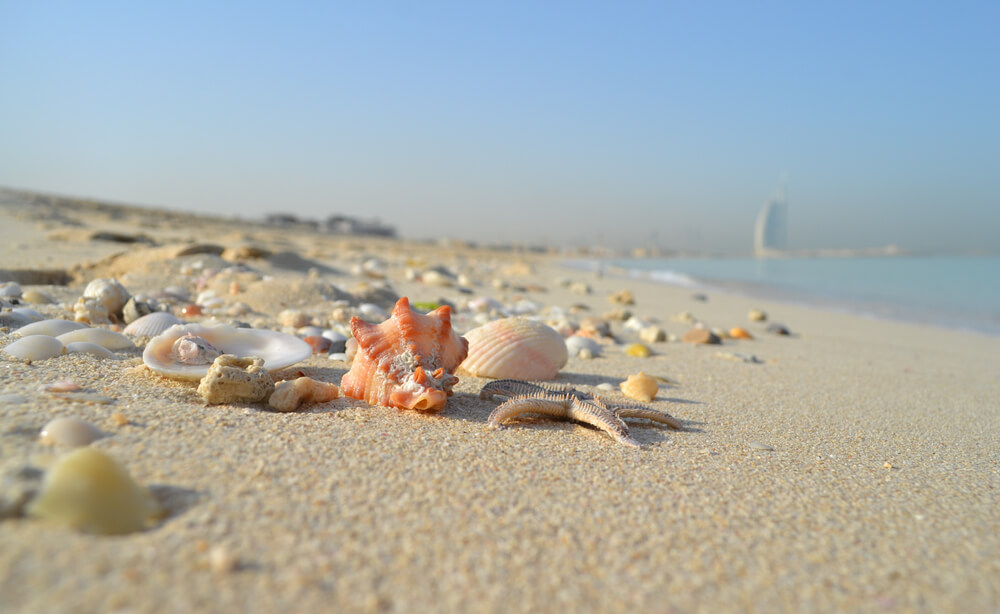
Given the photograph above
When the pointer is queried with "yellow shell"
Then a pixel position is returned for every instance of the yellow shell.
(640, 387)
(87, 490)
(638, 350)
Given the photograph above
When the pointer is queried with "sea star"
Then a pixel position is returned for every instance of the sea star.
(565, 402)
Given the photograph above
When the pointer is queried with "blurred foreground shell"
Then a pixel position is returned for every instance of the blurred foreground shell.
(277, 350)
(640, 387)
(515, 348)
(87, 490)
(407, 361)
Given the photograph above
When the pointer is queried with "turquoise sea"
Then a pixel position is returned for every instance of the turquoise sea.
(955, 292)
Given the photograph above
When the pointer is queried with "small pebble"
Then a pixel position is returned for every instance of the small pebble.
(700, 336)
(119, 419)
(778, 329)
(760, 446)
(190, 311)
(756, 315)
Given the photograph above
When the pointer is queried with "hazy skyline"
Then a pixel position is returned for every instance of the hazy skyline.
(563, 123)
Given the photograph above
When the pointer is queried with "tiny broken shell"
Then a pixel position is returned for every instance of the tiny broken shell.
(290, 394)
(640, 387)
(194, 350)
(231, 379)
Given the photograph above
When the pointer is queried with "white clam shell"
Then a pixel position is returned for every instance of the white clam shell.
(576, 344)
(72, 432)
(516, 348)
(86, 347)
(52, 328)
(277, 350)
(152, 324)
(101, 336)
(36, 347)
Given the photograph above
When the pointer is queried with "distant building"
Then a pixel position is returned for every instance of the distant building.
(770, 236)
(345, 225)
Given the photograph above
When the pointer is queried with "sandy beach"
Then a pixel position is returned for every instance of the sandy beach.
(855, 467)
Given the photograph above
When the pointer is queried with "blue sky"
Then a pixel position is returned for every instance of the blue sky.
(567, 123)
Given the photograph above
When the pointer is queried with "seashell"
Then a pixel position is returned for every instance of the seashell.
(407, 361)
(370, 312)
(14, 320)
(109, 293)
(291, 394)
(576, 344)
(277, 350)
(152, 324)
(135, 309)
(293, 318)
(35, 297)
(10, 289)
(101, 336)
(778, 329)
(756, 315)
(700, 336)
(484, 304)
(52, 328)
(86, 347)
(88, 490)
(640, 387)
(72, 432)
(36, 347)
(739, 333)
(623, 297)
(638, 350)
(515, 348)
(31, 314)
(320, 345)
(231, 379)
(90, 311)
(653, 334)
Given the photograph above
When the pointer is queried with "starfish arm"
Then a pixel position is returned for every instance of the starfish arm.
(513, 388)
(603, 419)
(638, 411)
(527, 405)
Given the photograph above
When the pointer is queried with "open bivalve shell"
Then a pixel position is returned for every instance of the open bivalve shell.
(186, 351)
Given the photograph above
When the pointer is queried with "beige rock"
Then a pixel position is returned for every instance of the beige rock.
(653, 334)
(289, 395)
(700, 336)
(231, 379)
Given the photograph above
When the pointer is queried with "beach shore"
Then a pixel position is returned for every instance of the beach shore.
(855, 467)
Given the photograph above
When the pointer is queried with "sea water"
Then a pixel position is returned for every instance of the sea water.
(956, 292)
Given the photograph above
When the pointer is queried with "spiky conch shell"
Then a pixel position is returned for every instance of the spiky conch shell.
(407, 361)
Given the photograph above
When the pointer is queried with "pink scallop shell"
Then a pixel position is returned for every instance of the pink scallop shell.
(515, 348)
(407, 361)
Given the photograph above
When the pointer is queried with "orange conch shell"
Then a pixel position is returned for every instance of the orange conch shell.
(407, 361)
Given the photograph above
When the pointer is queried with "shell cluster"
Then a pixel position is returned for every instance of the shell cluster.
(407, 361)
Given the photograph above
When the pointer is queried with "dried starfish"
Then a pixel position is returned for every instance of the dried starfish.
(565, 402)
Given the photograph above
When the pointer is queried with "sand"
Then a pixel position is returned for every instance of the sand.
(856, 468)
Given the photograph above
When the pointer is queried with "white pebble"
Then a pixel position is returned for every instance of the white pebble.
(72, 432)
